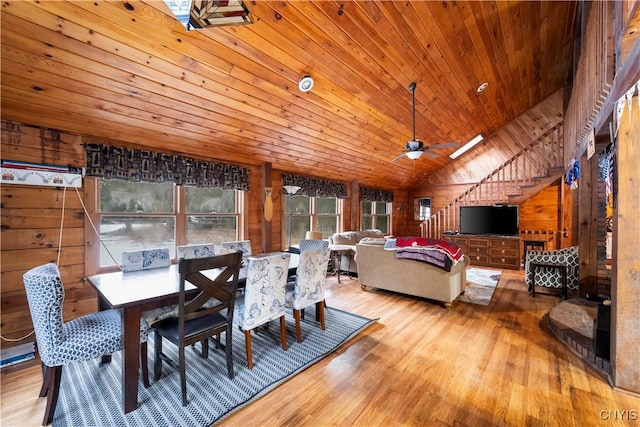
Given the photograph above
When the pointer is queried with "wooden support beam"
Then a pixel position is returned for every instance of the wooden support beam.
(625, 334)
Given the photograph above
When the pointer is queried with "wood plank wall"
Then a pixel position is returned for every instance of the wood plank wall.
(453, 180)
(31, 219)
(31, 224)
(501, 146)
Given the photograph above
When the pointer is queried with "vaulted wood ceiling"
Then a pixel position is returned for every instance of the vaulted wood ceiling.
(128, 71)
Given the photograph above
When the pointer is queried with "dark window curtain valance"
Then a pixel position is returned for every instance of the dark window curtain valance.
(315, 187)
(127, 164)
(376, 195)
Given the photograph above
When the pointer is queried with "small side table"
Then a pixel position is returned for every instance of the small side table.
(534, 266)
(337, 251)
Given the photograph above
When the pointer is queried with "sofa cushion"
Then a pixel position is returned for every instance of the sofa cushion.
(372, 233)
(373, 241)
(346, 238)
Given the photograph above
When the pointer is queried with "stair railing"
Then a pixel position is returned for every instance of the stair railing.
(533, 162)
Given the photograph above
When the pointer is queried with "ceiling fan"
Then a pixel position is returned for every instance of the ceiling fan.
(415, 148)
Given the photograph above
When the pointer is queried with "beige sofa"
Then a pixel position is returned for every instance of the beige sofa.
(379, 268)
(347, 261)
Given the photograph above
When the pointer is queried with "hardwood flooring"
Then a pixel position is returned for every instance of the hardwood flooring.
(421, 364)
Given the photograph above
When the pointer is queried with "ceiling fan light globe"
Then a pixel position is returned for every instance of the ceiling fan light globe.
(414, 155)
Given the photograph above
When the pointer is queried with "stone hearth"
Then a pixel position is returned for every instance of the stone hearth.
(572, 321)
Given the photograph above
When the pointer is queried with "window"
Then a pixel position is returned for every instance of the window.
(376, 215)
(303, 213)
(135, 215)
(422, 208)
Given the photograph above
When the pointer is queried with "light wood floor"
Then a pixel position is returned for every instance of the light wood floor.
(421, 364)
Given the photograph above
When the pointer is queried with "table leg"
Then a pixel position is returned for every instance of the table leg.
(337, 260)
(102, 305)
(130, 357)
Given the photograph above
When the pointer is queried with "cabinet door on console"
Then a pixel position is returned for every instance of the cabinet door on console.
(479, 250)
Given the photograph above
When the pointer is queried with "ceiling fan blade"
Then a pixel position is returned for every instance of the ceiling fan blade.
(399, 157)
(431, 154)
(445, 145)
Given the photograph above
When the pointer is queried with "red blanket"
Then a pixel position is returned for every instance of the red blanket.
(450, 249)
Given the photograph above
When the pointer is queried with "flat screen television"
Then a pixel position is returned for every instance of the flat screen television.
(500, 220)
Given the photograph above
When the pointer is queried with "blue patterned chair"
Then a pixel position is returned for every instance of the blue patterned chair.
(263, 299)
(145, 259)
(200, 250)
(306, 244)
(59, 343)
(551, 277)
(308, 287)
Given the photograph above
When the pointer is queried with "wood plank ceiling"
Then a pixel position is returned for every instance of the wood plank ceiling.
(129, 72)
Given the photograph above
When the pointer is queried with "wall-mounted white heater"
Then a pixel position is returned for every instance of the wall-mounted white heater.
(14, 172)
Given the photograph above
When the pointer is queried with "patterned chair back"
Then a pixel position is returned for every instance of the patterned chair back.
(307, 244)
(83, 338)
(264, 292)
(243, 246)
(310, 277)
(45, 295)
(146, 259)
(550, 278)
(201, 250)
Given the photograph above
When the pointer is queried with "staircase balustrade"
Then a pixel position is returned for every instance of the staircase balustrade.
(529, 168)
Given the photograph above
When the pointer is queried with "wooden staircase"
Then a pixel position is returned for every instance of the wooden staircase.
(528, 172)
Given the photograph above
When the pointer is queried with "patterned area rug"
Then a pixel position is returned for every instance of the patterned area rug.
(480, 285)
(91, 392)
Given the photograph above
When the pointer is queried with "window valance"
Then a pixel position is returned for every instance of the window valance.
(128, 164)
(376, 194)
(315, 187)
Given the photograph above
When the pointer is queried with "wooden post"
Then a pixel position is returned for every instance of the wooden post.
(354, 201)
(625, 333)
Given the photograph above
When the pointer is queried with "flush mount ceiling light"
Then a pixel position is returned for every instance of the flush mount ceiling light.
(305, 84)
(482, 87)
(199, 14)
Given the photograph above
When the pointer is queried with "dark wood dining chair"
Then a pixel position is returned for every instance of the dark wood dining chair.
(198, 319)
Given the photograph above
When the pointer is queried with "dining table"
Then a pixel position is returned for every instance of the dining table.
(135, 292)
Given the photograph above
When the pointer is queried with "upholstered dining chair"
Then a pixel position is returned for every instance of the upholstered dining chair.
(59, 343)
(243, 246)
(308, 287)
(196, 250)
(146, 259)
(263, 298)
(197, 322)
(306, 244)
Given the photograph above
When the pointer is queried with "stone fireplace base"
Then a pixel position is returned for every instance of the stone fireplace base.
(572, 321)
